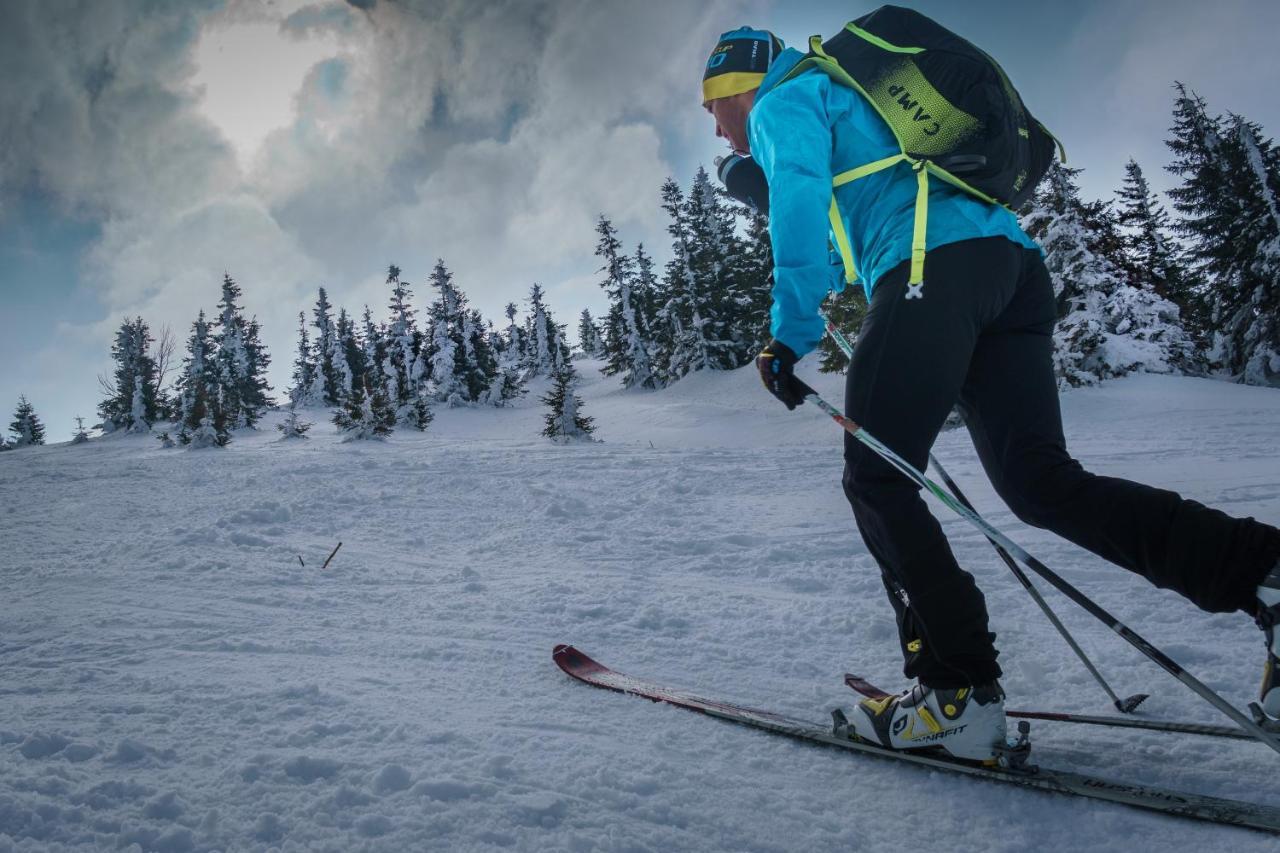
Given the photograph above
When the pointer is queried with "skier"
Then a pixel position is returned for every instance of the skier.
(977, 332)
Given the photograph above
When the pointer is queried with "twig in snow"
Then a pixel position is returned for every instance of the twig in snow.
(330, 557)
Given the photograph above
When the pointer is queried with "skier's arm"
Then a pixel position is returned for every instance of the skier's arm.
(791, 139)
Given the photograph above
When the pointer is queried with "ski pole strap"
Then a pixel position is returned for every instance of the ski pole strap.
(920, 167)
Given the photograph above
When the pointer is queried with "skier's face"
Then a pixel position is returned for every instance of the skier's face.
(731, 119)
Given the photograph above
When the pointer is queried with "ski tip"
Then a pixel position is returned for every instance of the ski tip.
(574, 662)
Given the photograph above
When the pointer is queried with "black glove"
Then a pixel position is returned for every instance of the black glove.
(744, 180)
(776, 364)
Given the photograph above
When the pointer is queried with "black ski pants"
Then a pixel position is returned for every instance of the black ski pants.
(981, 337)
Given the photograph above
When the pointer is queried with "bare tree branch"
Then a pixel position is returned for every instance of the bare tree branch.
(166, 345)
(107, 383)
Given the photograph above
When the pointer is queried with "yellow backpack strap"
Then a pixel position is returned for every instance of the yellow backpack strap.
(920, 230)
(837, 224)
(842, 242)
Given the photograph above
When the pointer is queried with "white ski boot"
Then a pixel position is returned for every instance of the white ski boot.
(965, 722)
(1269, 622)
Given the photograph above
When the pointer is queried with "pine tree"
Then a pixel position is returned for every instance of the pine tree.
(515, 351)
(199, 372)
(547, 351)
(756, 271)
(1153, 258)
(508, 384)
(26, 426)
(366, 414)
(703, 283)
(241, 360)
(332, 380)
(626, 349)
(1107, 327)
(81, 434)
(406, 370)
(1229, 199)
(373, 351)
(133, 403)
(589, 339)
(304, 368)
(208, 423)
(293, 426)
(565, 422)
(444, 337)
(350, 346)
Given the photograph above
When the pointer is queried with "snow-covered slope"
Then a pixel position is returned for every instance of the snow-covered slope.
(172, 677)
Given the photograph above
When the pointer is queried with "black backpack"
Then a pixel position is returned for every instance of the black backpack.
(950, 106)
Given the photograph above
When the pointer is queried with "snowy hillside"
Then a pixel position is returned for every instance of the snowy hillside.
(172, 677)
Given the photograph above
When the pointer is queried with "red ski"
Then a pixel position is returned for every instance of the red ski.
(1166, 801)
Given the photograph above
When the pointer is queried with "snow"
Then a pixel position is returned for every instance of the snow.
(172, 677)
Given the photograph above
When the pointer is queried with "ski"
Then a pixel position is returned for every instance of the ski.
(1196, 806)
(866, 688)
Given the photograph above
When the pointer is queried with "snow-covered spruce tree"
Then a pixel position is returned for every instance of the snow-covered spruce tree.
(1228, 199)
(702, 285)
(351, 347)
(646, 297)
(514, 351)
(508, 347)
(241, 360)
(404, 363)
(26, 426)
(208, 423)
(1106, 326)
(133, 402)
(478, 367)
(373, 350)
(293, 426)
(626, 347)
(564, 422)
(199, 372)
(366, 414)
(451, 350)
(1153, 257)
(546, 352)
(331, 381)
(754, 293)
(590, 341)
(304, 368)
(81, 434)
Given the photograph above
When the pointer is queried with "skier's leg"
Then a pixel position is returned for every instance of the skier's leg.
(1010, 404)
(909, 363)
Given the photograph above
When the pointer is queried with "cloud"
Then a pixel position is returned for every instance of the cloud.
(491, 135)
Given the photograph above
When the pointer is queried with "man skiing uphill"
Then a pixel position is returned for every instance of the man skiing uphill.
(961, 312)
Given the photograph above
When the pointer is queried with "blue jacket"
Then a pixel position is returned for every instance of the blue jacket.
(802, 133)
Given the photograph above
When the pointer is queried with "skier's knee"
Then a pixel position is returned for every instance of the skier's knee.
(1036, 494)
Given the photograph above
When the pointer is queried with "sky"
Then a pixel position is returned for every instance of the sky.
(147, 147)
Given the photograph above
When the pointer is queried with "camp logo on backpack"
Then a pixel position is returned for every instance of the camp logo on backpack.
(950, 106)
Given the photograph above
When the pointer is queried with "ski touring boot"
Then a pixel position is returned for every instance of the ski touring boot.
(964, 722)
(1269, 622)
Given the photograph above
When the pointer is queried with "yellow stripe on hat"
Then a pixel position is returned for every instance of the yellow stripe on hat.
(728, 85)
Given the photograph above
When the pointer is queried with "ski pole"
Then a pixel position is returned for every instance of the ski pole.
(1158, 657)
(1124, 706)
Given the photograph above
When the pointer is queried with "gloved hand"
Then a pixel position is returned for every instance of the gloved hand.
(776, 363)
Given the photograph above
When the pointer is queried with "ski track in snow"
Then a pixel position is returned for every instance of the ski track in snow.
(171, 679)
